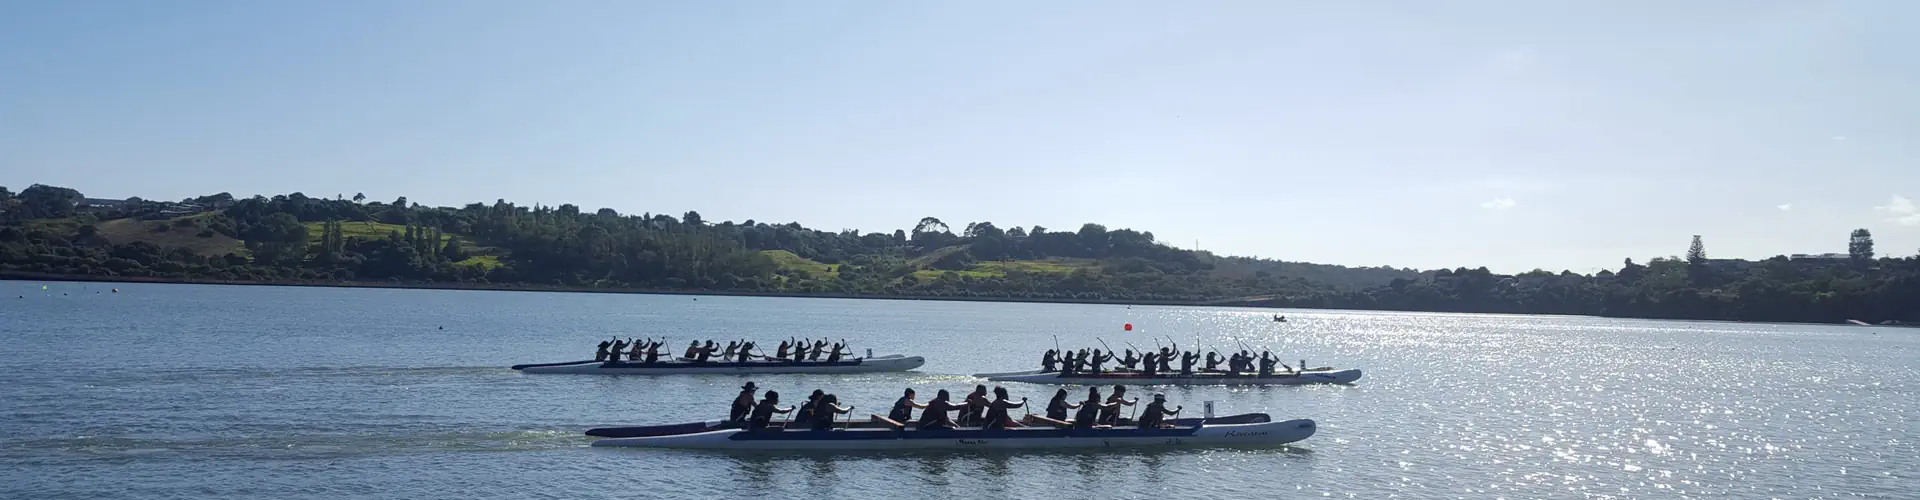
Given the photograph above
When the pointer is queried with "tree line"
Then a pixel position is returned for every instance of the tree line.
(295, 237)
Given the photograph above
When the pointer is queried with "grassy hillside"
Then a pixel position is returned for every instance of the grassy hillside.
(362, 230)
(788, 262)
(181, 232)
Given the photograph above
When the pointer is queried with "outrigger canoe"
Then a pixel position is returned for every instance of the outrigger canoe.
(714, 425)
(888, 363)
(897, 437)
(1314, 376)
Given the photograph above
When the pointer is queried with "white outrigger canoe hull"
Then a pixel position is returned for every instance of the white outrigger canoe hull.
(888, 363)
(1260, 434)
(1346, 376)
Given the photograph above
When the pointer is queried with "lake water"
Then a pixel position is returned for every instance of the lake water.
(177, 391)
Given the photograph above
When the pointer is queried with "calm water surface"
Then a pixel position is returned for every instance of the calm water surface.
(174, 391)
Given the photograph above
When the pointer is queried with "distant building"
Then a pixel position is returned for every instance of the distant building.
(1819, 256)
(103, 203)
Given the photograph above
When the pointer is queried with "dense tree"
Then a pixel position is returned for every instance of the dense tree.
(1697, 252)
(1860, 245)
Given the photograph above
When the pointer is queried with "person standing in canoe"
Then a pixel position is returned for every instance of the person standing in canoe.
(1057, 408)
(997, 416)
(826, 410)
(903, 408)
(976, 407)
(1157, 413)
(763, 413)
(1111, 414)
(742, 404)
(935, 416)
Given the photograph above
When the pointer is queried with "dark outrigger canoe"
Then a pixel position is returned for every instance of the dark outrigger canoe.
(715, 425)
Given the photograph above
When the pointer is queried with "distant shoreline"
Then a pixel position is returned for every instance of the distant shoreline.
(496, 287)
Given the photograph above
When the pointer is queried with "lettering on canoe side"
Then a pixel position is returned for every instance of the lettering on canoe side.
(973, 441)
(1245, 434)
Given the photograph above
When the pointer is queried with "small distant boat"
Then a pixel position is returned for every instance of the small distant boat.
(1279, 319)
(892, 437)
(1314, 376)
(887, 363)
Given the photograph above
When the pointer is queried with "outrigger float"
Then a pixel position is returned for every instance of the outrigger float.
(683, 366)
(887, 434)
(1312, 376)
(715, 425)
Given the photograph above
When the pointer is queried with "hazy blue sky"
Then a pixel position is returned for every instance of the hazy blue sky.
(1513, 134)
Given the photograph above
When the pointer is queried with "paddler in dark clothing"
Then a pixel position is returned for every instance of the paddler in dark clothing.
(601, 353)
(1186, 362)
(1091, 409)
(1130, 361)
(781, 352)
(1266, 363)
(1156, 412)
(706, 353)
(826, 410)
(806, 409)
(834, 355)
(1111, 414)
(746, 352)
(693, 349)
(1213, 361)
(639, 350)
(1048, 360)
(976, 407)
(903, 408)
(613, 352)
(763, 413)
(1166, 359)
(997, 416)
(819, 347)
(653, 351)
(742, 404)
(1067, 364)
(1057, 408)
(800, 351)
(1085, 360)
(1100, 359)
(1150, 364)
(935, 416)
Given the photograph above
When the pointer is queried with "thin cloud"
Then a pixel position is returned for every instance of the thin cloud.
(1901, 211)
(1499, 204)
(1784, 207)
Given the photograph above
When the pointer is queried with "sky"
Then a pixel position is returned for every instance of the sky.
(1513, 135)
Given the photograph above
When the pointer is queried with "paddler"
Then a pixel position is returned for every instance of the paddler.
(639, 350)
(1150, 364)
(1213, 361)
(1186, 362)
(1111, 414)
(693, 349)
(653, 350)
(806, 409)
(732, 347)
(1166, 359)
(763, 412)
(1130, 361)
(1067, 364)
(800, 351)
(826, 410)
(903, 408)
(1048, 360)
(997, 416)
(619, 346)
(838, 347)
(819, 347)
(1266, 363)
(935, 416)
(1156, 413)
(746, 352)
(781, 352)
(1099, 359)
(1091, 409)
(742, 404)
(1058, 406)
(976, 407)
(601, 353)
